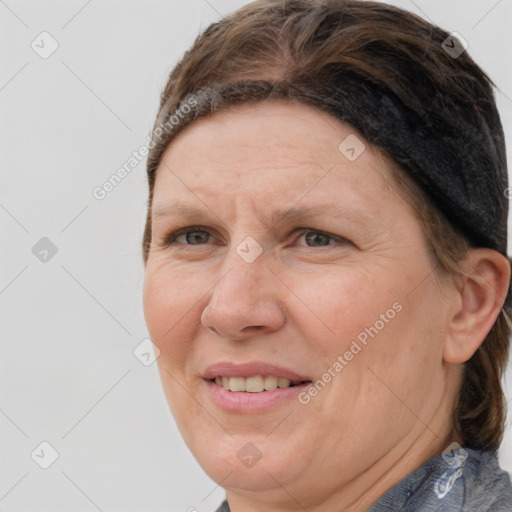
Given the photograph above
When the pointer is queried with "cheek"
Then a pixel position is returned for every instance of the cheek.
(171, 300)
(376, 337)
(339, 305)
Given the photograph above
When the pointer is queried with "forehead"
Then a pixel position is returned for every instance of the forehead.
(271, 151)
(271, 126)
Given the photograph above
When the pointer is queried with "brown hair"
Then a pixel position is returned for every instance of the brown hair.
(480, 414)
(289, 49)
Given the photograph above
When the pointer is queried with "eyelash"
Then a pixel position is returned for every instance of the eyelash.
(170, 238)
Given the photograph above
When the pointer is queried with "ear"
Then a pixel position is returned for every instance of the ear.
(479, 302)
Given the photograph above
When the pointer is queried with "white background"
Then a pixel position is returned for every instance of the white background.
(69, 326)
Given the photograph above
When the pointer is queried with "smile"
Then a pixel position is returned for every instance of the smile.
(255, 384)
(252, 387)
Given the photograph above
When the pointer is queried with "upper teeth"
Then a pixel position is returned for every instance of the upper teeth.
(254, 384)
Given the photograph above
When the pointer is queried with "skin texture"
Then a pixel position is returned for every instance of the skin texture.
(300, 304)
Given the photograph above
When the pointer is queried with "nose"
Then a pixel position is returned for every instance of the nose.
(245, 302)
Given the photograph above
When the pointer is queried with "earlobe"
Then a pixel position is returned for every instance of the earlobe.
(479, 301)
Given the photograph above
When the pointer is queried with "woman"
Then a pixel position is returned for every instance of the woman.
(326, 270)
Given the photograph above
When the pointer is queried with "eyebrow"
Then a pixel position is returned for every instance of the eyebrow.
(289, 214)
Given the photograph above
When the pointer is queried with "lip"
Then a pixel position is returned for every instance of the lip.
(229, 369)
(245, 402)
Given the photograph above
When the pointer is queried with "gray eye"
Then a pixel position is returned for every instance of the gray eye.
(194, 237)
(316, 239)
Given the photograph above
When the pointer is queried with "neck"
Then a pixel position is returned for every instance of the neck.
(427, 440)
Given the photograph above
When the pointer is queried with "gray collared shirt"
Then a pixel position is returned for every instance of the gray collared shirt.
(463, 480)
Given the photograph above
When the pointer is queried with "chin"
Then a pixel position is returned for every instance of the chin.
(231, 474)
(245, 462)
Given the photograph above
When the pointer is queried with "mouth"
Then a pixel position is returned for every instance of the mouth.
(256, 383)
(254, 387)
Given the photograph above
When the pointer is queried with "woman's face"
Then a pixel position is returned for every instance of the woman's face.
(339, 298)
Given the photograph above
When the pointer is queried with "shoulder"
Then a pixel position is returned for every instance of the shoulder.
(488, 488)
(465, 480)
(224, 507)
